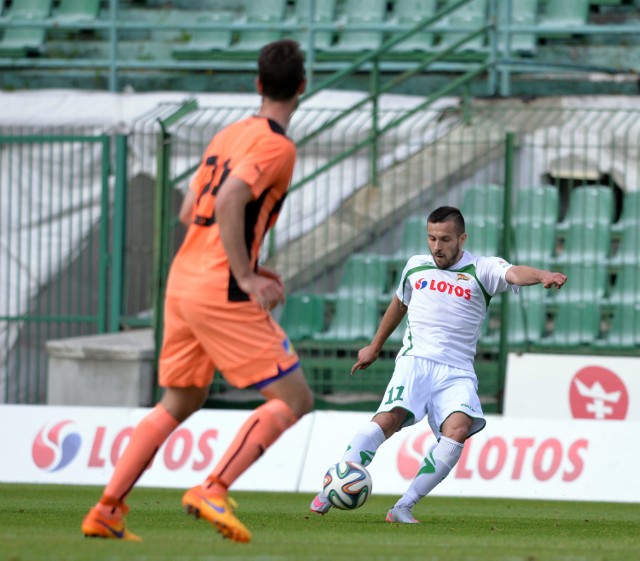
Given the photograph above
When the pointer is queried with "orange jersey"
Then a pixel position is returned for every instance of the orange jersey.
(257, 151)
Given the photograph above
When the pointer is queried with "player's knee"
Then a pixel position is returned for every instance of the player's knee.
(390, 421)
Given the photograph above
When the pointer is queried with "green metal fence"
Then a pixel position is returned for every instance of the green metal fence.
(56, 200)
(519, 172)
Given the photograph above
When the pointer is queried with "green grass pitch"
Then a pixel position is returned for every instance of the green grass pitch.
(42, 522)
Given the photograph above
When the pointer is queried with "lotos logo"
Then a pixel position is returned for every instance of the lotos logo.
(55, 447)
(420, 284)
(597, 393)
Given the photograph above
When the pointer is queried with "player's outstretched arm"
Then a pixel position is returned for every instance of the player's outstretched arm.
(391, 319)
(523, 275)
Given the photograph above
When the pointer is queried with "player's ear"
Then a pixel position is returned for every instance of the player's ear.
(463, 238)
(302, 87)
(259, 87)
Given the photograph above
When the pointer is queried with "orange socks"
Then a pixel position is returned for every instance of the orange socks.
(259, 432)
(147, 437)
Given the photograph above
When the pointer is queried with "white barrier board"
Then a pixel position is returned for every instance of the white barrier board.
(511, 458)
(81, 444)
(572, 387)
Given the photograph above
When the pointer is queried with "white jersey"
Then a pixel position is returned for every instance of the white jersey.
(446, 307)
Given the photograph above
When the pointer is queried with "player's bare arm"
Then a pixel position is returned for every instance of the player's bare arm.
(186, 209)
(523, 275)
(391, 319)
(232, 199)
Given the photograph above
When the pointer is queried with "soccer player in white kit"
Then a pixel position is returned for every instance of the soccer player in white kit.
(446, 295)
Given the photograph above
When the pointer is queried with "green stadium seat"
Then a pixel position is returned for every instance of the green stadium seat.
(526, 320)
(533, 244)
(524, 13)
(472, 15)
(575, 324)
(412, 12)
(587, 282)
(484, 203)
(77, 10)
(628, 251)
(537, 204)
(202, 44)
(624, 329)
(23, 41)
(356, 319)
(364, 273)
(589, 204)
(564, 14)
(360, 12)
(324, 13)
(413, 240)
(586, 242)
(266, 12)
(483, 238)
(630, 214)
(303, 315)
(626, 286)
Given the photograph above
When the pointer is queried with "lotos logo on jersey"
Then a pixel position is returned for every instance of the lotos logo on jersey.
(55, 447)
(597, 393)
(448, 288)
(420, 284)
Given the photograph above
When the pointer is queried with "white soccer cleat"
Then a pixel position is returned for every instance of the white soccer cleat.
(320, 504)
(401, 514)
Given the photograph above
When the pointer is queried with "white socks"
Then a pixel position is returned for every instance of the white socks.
(437, 465)
(364, 444)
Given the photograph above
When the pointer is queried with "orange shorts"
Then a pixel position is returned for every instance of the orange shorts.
(240, 339)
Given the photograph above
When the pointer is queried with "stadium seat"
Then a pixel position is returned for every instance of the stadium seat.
(628, 251)
(360, 12)
(575, 324)
(624, 329)
(472, 15)
(412, 12)
(267, 12)
(630, 212)
(364, 273)
(533, 244)
(585, 242)
(303, 316)
(413, 240)
(626, 286)
(23, 41)
(537, 204)
(524, 13)
(483, 238)
(77, 10)
(589, 204)
(526, 319)
(325, 13)
(563, 14)
(587, 282)
(483, 203)
(204, 43)
(355, 319)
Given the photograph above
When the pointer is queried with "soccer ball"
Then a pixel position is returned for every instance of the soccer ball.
(347, 485)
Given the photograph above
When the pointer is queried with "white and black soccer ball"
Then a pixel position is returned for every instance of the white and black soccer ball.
(347, 485)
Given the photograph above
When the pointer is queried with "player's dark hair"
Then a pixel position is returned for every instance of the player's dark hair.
(446, 213)
(281, 69)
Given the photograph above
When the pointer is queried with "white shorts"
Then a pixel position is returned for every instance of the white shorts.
(426, 388)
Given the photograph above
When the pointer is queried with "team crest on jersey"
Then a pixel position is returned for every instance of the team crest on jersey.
(421, 283)
(462, 276)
